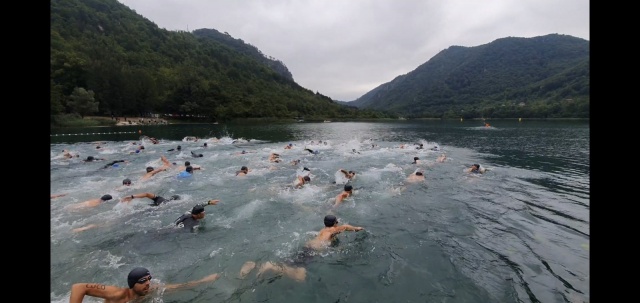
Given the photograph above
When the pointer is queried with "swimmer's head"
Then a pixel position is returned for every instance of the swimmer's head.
(179, 147)
(352, 172)
(477, 166)
(187, 163)
(418, 173)
(244, 168)
(126, 181)
(415, 158)
(306, 179)
(348, 187)
(189, 169)
(136, 274)
(106, 198)
(149, 169)
(330, 220)
(243, 152)
(305, 168)
(90, 158)
(141, 147)
(205, 144)
(290, 144)
(197, 210)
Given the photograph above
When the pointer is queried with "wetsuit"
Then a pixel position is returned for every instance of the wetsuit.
(187, 221)
(315, 152)
(112, 163)
(302, 257)
(157, 200)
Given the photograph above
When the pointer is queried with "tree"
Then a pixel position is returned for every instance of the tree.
(82, 102)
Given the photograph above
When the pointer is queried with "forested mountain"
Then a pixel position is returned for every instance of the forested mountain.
(106, 58)
(546, 76)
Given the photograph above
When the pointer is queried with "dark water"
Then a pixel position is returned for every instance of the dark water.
(518, 233)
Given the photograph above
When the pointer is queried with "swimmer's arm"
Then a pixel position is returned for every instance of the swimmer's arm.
(348, 227)
(209, 278)
(79, 229)
(53, 196)
(109, 293)
(136, 196)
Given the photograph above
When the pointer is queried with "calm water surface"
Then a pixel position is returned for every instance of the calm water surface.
(518, 233)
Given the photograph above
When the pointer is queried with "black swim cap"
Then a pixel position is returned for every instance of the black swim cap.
(136, 274)
(305, 168)
(197, 209)
(476, 165)
(106, 198)
(348, 187)
(418, 173)
(189, 169)
(187, 163)
(149, 169)
(244, 168)
(306, 178)
(90, 158)
(416, 158)
(126, 181)
(330, 220)
(179, 147)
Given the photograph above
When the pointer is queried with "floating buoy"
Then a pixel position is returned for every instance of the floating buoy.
(519, 119)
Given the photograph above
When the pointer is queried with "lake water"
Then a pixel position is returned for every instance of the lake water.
(517, 233)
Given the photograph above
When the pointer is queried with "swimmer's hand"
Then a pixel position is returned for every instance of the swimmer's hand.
(213, 202)
(358, 228)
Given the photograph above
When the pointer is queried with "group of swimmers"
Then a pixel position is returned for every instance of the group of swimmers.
(139, 279)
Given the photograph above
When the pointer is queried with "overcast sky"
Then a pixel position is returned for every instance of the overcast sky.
(345, 48)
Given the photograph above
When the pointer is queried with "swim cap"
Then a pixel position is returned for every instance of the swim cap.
(476, 165)
(90, 158)
(330, 220)
(418, 173)
(244, 168)
(416, 158)
(136, 274)
(187, 163)
(141, 147)
(179, 147)
(305, 168)
(205, 144)
(189, 169)
(306, 178)
(348, 187)
(149, 169)
(244, 152)
(197, 209)
(290, 144)
(106, 198)
(126, 181)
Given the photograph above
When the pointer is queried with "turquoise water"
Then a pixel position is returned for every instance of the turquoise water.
(518, 233)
